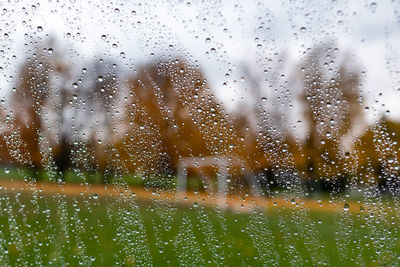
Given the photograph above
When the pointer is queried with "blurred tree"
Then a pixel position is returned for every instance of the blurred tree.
(62, 148)
(270, 145)
(105, 91)
(171, 114)
(29, 99)
(377, 154)
(33, 100)
(6, 137)
(101, 94)
(331, 101)
(250, 149)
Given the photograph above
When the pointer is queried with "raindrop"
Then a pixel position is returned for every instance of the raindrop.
(373, 6)
(346, 207)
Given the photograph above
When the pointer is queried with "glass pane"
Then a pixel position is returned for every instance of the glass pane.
(187, 133)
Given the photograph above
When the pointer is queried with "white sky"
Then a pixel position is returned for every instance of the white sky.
(370, 32)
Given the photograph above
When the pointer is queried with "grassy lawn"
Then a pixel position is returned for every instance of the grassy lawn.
(59, 230)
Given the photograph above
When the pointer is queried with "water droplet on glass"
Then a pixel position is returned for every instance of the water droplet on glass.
(373, 6)
(346, 207)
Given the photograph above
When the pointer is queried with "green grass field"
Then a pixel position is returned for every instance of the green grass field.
(56, 231)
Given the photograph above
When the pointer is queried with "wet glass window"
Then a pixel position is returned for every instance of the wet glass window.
(199, 133)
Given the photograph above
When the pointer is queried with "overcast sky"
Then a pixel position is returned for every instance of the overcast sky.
(222, 38)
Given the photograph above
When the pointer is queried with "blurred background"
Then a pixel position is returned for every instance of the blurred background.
(284, 93)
